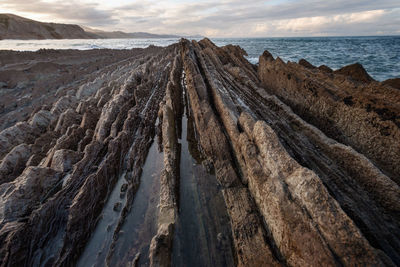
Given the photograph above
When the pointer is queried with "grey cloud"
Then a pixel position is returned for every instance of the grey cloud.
(308, 8)
(71, 11)
(230, 16)
(320, 8)
(234, 17)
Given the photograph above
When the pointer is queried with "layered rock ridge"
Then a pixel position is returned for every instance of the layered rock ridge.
(291, 165)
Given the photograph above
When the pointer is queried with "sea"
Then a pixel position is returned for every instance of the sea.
(380, 55)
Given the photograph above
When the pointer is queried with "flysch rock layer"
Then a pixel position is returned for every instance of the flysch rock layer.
(346, 105)
(307, 158)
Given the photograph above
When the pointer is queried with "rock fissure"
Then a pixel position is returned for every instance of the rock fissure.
(189, 155)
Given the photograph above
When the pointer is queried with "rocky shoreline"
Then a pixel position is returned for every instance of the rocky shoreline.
(290, 164)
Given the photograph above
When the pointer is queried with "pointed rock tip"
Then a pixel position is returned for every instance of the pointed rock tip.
(267, 56)
(325, 68)
(207, 42)
(356, 72)
(395, 83)
(306, 64)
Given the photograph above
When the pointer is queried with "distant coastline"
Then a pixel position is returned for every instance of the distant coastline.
(379, 55)
(13, 27)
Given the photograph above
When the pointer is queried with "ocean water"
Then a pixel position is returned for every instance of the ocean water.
(380, 56)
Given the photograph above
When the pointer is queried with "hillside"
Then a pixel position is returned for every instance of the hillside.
(16, 27)
(120, 34)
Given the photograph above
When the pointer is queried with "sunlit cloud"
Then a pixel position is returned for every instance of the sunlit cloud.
(227, 18)
(319, 23)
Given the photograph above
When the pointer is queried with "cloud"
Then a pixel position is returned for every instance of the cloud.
(227, 17)
(64, 11)
(315, 24)
(359, 23)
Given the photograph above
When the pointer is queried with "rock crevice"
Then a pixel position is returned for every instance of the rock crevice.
(306, 160)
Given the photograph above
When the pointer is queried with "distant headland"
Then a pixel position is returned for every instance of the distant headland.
(16, 27)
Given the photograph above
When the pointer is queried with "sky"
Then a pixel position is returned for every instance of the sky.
(226, 18)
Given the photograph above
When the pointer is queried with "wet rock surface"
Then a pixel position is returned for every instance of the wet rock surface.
(190, 155)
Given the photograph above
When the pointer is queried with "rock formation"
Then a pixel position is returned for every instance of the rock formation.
(293, 165)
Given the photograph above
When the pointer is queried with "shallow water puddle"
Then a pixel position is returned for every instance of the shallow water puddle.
(203, 233)
(141, 223)
(96, 250)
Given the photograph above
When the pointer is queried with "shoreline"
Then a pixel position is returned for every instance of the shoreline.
(25, 75)
(335, 52)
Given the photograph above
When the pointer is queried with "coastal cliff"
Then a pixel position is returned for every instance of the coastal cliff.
(20, 28)
(16, 27)
(189, 153)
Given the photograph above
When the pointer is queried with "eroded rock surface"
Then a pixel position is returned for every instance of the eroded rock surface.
(306, 159)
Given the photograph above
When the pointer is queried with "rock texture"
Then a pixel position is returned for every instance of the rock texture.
(306, 158)
(362, 115)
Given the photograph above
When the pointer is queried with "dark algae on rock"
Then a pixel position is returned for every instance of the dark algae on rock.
(189, 155)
